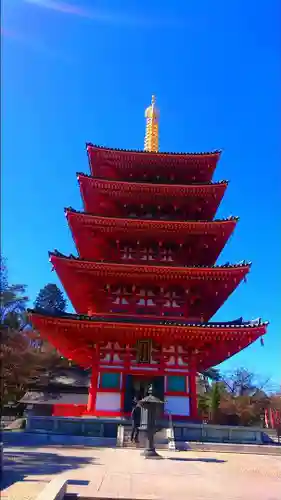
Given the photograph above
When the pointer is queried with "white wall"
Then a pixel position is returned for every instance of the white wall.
(108, 401)
(177, 405)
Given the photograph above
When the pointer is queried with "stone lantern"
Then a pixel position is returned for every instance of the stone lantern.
(151, 410)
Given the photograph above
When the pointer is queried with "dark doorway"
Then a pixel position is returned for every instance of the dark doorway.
(129, 394)
(140, 385)
(137, 387)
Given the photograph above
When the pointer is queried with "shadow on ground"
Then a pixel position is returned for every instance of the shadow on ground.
(205, 460)
(19, 464)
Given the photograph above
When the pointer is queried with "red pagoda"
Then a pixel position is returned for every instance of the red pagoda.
(145, 285)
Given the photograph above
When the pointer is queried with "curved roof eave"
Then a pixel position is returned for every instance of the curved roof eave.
(216, 152)
(72, 211)
(166, 322)
(72, 257)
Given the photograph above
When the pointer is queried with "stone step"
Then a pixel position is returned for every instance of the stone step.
(76, 496)
(257, 449)
(157, 441)
(161, 440)
(127, 433)
(132, 446)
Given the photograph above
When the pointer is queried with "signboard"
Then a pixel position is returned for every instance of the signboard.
(144, 351)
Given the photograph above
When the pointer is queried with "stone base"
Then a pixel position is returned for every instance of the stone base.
(143, 443)
(150, 453)
(217, 433)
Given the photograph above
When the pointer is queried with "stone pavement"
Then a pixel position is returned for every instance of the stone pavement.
(123, 473)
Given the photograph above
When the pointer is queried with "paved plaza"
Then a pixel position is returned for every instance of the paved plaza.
(124, 473)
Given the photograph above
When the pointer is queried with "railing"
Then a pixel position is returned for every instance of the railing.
(170, 417)
(272, 418)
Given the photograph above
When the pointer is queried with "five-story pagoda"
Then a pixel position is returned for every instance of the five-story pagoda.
(145, 284)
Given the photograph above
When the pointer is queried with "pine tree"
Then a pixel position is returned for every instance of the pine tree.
(215, 401)
(212, 374)
(51, 300)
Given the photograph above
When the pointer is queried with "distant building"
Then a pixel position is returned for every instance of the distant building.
(64, 389)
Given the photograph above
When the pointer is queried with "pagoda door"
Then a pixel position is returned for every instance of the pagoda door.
(129, 394)
(158, 388)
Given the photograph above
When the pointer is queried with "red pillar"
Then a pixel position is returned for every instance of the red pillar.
(162, 360)
(123, 388)
(125, 372)
(193, 390)
(91, 406)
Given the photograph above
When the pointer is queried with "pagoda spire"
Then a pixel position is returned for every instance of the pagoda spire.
(151, 141)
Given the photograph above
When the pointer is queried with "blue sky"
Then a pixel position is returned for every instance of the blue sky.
(78, 71)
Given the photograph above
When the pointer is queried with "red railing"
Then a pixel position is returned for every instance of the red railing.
(272, 418)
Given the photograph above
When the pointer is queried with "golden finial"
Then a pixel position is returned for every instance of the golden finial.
(151, 141)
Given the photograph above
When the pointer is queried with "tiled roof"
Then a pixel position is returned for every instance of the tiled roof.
(79, 212)
(227, 265)
(193, 184)
(148, 153)
(118, 318)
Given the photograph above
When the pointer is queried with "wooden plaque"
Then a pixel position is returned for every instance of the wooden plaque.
(144, 351)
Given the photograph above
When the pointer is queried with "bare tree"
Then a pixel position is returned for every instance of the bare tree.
(243, 382)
